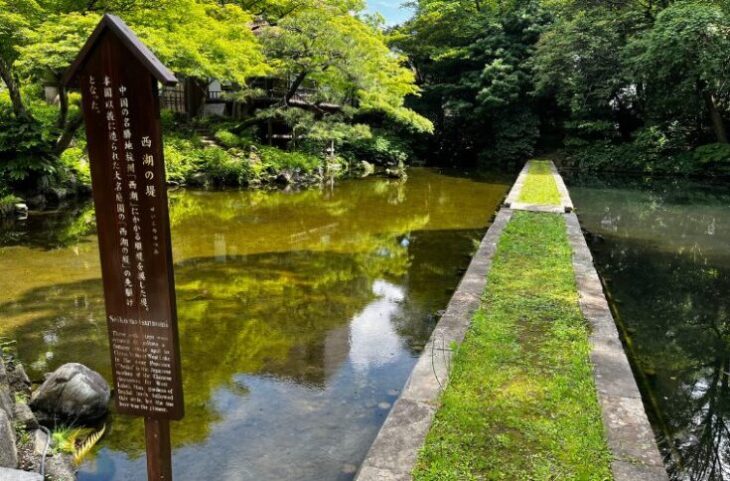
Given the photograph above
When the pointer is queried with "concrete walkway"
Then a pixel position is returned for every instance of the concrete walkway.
(394, 452)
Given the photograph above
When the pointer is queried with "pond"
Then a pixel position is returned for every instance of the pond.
(301, 315)
(663, 250)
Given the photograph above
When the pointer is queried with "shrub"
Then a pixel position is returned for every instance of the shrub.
(230, 140)
(277, 159)
(222, 167)
(74, 159)
(24, 147)
(653, 150)
(712, 154)
(380, 149)
(179, 163)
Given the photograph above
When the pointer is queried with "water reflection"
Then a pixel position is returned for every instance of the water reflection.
(301, 314)
(663, 249)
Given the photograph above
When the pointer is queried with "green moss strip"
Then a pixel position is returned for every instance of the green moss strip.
(521, 403)
(540, 187)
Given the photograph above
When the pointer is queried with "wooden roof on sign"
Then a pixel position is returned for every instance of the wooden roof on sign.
(116, 25)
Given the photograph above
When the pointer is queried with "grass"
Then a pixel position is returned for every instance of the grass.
(521, 403)
(540, 187)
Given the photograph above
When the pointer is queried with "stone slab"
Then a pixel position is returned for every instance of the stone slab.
(18, 475)
(628, 431)
(565, 199)
(566, 204)
(514, 192)
(625, 470)
(394, 452)
(547, 209)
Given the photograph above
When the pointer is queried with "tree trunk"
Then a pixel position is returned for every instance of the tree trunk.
(294, 87)
(68, 134)
(11, 83)
(718, 124)
(63, 107)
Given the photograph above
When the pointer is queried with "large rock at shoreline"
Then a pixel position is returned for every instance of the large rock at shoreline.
(6, 400)
(19, 381)
(23, 416)
(18, 475)
(74, 393)
(8, 450)
(60, 468)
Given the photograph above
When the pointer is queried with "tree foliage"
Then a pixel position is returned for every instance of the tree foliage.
(329, 45)
(501, 79)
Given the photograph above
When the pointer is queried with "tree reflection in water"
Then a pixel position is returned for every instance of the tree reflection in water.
(300, 314)
(663, 251)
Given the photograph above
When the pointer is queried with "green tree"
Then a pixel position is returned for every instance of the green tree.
(348, 63)
(16, 18)
(682, 65)
(193, 38)
(470, 58)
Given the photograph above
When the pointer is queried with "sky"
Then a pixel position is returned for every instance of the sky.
(390, 9)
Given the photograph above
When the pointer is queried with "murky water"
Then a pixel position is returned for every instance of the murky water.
(663, 250)
(301, 315)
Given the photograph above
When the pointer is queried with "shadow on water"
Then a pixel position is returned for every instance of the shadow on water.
(663, 251)
(301, 315)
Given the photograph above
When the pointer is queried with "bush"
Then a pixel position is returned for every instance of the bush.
(380, 149)
(75, 160)
(179, 161)
(713, 154)
(24, 147)
(653, 150)
(222, 167)
(232, 141)
(277, 159)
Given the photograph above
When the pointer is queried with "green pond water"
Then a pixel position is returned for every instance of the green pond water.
(301, 315)
(663, 250)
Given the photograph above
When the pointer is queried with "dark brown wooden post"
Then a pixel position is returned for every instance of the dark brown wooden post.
(119, 78)
(157, 439)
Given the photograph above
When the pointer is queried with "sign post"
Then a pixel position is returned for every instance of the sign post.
(118, 77)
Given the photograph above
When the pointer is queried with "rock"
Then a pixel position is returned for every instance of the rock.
(19, 380)
(18, 475)
(384, 405)
(396, 173)
(56, 194)
(365, 168)
(6, 399)
(60, 468)
(24, 416)
(349, 469)
(8, 450)
(4, 379)
(74, 393)
(41, 443)
(285, 177)
(37, 201)
(198, 179)
(21, 208)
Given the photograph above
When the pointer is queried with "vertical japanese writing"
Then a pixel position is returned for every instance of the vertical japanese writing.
(134, 206)
(122, 212)
(148, 162)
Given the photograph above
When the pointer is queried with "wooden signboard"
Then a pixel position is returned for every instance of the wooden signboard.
(118, 78)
